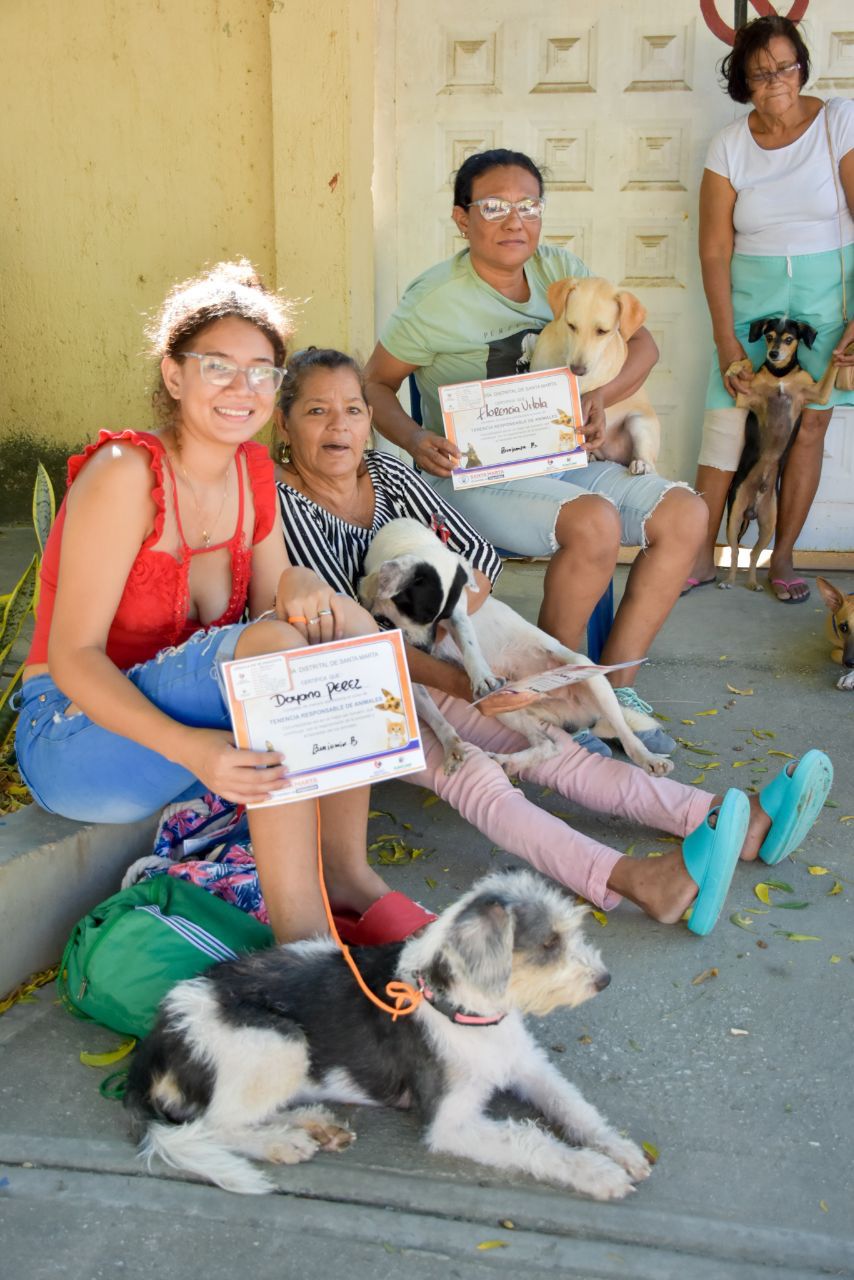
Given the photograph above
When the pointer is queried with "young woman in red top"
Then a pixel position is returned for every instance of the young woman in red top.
(164, 538)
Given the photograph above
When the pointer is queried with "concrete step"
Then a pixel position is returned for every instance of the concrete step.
(52, 871)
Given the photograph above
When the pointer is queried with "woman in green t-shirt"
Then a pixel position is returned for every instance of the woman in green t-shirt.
(467, 319)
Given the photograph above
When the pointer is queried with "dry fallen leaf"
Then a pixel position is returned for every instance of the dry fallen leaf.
(837, 888)
(762, 734)
(585, 1039)
(107, 1059)
(847, 817)
(835, 959)
(745, 693)
(787, 755)
(738, 1031)
(712, 712)
(704, 977)
(761, 891)
(599, 916)
(822, 1204)
(695, 782)
(689, 721)
(431, 884)
(818, 871)
(493, 1244)
(798, 937)
(651, 1151)
(743, 922)
(655, 853)
(507, 1224)
(381, 813)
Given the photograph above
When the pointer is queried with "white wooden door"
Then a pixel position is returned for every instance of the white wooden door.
(618, 99)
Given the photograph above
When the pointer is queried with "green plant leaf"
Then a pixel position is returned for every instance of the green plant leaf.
(8, 717)
(44, 506)
(17, 607)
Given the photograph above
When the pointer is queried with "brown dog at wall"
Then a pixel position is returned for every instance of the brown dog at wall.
(840, 629)
(775, 402)
(593, 322)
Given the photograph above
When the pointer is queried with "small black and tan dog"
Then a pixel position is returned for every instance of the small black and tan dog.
(775, 402)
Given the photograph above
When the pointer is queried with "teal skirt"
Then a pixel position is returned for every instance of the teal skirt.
(806, 287)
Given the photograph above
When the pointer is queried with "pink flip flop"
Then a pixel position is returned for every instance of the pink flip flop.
(691, 583)
(392, 918)
(787, 586)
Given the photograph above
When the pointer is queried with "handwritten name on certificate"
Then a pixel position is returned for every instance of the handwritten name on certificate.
(505, 428)
(341, 713)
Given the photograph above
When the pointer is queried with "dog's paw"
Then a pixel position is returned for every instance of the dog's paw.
(641, 467)
(488, 683)
(658, 766)
(599, 1176)
(330, 1135)
(846, 681)
(755, 586)
(290, 1145)
(628, 1156)
(724, 586)
(455, 757)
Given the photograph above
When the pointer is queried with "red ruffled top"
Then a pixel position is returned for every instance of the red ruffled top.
(153, 611)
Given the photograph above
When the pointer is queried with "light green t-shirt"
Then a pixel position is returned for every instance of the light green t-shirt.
(456, 328)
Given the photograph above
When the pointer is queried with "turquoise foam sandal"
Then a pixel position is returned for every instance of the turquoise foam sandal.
(793, 802)
(710, 854)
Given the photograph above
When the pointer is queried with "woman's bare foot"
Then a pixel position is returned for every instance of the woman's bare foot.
(758, 828)
(661, 886)
(354, 889)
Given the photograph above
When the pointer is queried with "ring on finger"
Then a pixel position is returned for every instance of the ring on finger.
(325, 613)
(312, 621)
(297, 617)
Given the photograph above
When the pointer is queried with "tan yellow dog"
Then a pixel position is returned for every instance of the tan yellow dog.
(593, 322)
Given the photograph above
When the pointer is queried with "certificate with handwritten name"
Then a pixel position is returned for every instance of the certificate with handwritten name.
(341, 713)
(506, 428)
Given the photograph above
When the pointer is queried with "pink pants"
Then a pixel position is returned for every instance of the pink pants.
(483, 794)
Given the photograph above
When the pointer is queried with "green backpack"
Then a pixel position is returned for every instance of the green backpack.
(123, 957)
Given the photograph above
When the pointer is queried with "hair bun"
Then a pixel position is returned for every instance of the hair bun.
(240, 272)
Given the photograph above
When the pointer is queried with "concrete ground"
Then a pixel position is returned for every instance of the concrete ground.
(754, 1131)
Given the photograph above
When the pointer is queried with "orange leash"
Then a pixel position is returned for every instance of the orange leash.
(406, 998)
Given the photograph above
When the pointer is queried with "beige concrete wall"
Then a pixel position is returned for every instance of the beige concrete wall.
(143, 138)
(322, 54)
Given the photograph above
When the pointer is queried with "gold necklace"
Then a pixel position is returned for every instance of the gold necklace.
(205, 534)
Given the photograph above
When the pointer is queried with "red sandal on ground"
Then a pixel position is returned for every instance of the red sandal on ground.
(392, 918)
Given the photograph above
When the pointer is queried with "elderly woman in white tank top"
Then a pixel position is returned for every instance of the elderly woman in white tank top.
(776, 238)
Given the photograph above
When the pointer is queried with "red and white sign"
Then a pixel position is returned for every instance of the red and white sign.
(764, 9)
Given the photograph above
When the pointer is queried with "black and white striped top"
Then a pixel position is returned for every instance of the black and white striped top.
(316, 539)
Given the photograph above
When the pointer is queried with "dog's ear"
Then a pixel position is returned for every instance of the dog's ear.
(632, 314)
(757, 328)
(367, 591)
(831, 595)
(482, 937)
(558, 293)
(806, 334)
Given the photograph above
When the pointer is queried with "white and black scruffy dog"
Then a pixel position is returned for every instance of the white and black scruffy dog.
(240, 1059)
(414, 582)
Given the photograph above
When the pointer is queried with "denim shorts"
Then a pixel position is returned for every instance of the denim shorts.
(519, 516)
(75, 768)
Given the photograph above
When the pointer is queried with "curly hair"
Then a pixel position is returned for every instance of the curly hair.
(226, 289)
(751, 39)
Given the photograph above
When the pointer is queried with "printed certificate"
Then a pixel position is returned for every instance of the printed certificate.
(559, 677)
(342, 713)
(506, 428)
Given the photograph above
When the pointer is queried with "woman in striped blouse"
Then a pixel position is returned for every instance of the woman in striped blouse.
(334, 495)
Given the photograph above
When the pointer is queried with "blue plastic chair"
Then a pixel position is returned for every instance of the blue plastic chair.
(602, 618)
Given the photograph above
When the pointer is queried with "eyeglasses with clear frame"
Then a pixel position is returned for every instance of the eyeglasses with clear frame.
(493, 209)
(785, 70)
(219, 371)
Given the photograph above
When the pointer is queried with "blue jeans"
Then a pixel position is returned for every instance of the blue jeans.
(520, 515)
(75, 768)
